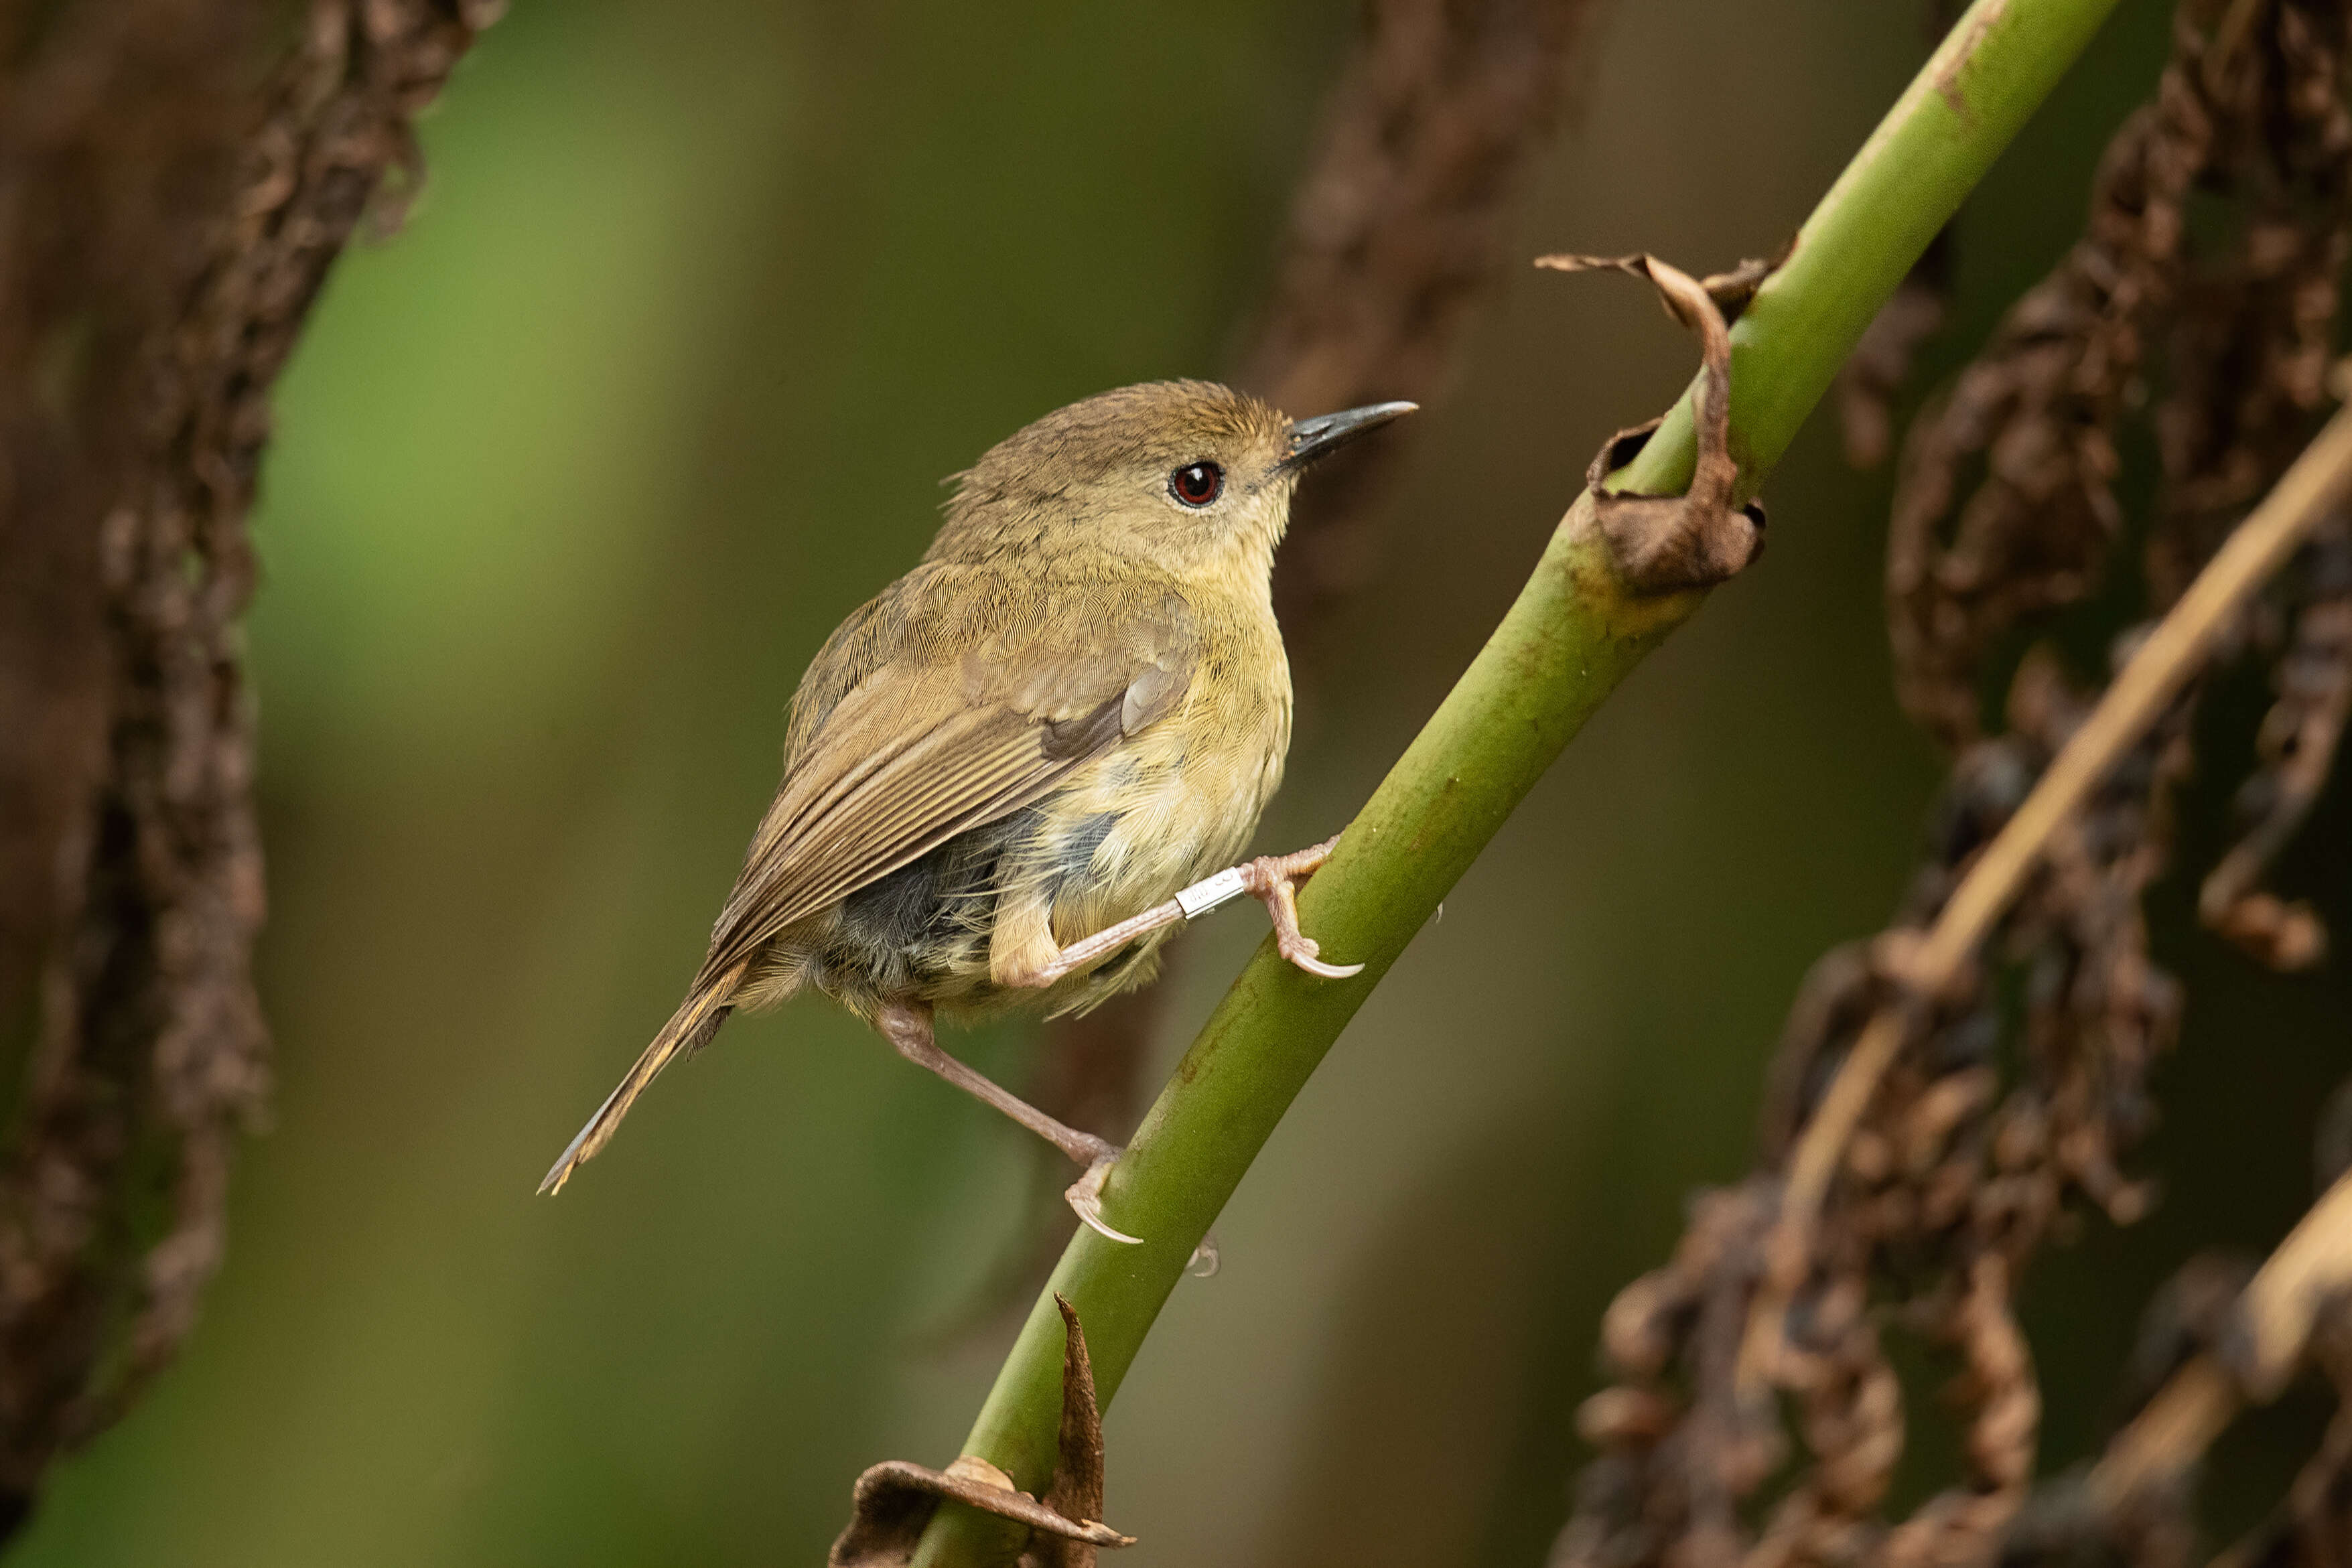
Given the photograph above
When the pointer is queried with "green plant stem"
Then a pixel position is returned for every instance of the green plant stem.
(1572, 634)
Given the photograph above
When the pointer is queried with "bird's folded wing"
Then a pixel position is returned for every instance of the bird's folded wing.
(921, 751)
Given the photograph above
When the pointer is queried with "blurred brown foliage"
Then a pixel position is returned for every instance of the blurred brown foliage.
(2015, 1096)
(177, 179)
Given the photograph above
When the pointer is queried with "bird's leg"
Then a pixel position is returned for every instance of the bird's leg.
(1272, 880)
(908, 1027)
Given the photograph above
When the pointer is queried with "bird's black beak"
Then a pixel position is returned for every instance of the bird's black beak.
(1312, 438)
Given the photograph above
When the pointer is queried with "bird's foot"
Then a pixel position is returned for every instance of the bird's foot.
(1273, 881)
(1086, 1193)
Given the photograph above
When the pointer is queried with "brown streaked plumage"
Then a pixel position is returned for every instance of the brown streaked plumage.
(1075, 707)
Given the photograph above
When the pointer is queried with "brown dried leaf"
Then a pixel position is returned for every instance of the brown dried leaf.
(894, 1501)
(1671, 544)
(1077, 1488)
(1733, 290)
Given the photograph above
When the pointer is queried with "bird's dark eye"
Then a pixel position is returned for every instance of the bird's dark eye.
(1196, 484)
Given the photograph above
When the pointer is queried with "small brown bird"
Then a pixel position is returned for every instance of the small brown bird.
(1008, 775)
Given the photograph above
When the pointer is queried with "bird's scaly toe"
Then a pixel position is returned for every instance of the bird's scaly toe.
(1273, 878)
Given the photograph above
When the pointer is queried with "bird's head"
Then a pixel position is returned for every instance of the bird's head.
(1189, 477)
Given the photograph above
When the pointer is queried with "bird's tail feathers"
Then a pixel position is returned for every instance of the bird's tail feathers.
(689, 1029)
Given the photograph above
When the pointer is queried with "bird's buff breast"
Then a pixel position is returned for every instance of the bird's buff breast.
(1175, 815)
(1160, 811)
(1173, 805)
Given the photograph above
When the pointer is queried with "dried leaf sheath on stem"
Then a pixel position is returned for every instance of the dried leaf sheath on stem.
(895, 1499)
(1671, 544)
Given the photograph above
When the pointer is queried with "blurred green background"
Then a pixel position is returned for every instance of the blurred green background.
(573, 476)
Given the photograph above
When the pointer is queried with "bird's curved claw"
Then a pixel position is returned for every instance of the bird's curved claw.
(1303, 953)
(1085, 1196)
